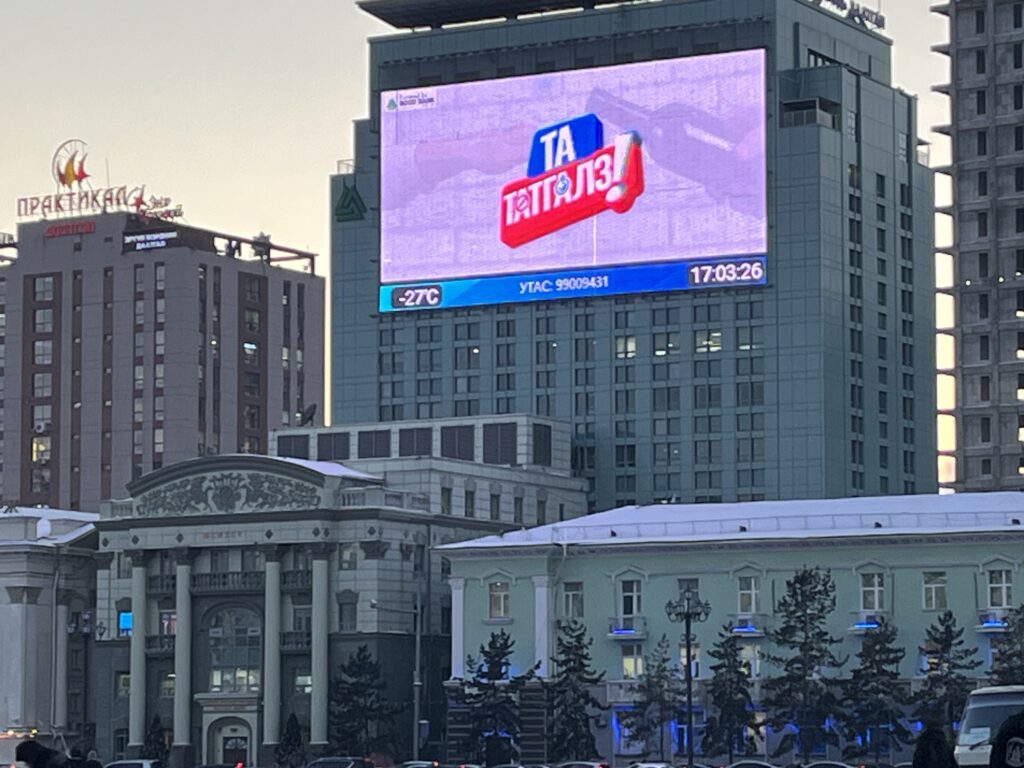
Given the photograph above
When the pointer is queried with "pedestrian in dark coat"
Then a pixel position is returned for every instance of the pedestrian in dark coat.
(35, 755)
(1008, 745)
(933, 749)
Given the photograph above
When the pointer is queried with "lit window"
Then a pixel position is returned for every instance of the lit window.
(499, 600)
(124, 623)
(625, 347)
(632, 661)
(707, 341)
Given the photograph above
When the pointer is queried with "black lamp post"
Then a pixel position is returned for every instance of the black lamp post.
(686, 610)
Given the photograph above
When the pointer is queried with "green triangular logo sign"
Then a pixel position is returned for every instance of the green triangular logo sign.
(392, 104)
(350, 206)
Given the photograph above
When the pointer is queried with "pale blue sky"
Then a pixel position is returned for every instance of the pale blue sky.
(237, 110)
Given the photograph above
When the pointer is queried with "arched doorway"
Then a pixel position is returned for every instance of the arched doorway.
(229, 741)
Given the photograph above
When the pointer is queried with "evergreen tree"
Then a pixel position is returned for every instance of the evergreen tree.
(155, 746)
(570, 700)
(289, 753)
(729, 690)
(656, 702)
(946, 685)
(1008, 661)
(490, 698)
(361, 719)
(801, 696)
(874, 700)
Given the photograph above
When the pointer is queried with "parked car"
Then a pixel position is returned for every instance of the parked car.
(134, 764)
(987, 709)
(583, 764)
(751, 764)
(827, 764)
(340, 762)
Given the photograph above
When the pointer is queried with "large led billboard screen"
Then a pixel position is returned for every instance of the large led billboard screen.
(623, 179)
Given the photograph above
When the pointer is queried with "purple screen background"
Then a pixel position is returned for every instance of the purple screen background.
(702, 121)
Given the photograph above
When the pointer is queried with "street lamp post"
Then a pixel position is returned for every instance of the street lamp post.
(686, 610)
(417, 683)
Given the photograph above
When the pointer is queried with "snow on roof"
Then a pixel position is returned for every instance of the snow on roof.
(327, 468)
(762, 520)
(44, 529)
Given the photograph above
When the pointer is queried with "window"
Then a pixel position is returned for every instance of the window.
(250, 351)
(374, 444)
(872, 588)
(303, 682)
(749, 594)
(252, 320)
(982, 142)
(43, 321)
(979, 22)
(42, 384)
(630, 598)
(1000, 589)
(41, 450)
(517, 510)
(347, 617)
(167, 685)
(446, 501)
(665, 344)
(415, 442)
(469, 507)
(979, 61)
(329, 445)
(632, 661)
(693, 660)
(458, 443)
(625, 347)
(572, 600)
(122, 684)
(980, 102)
(235, 651)
(498, 604)
(251, 384)
(41, 418)
(124, 623)
(348, 557)
(934, 583)
(707, 341)
(43, 289)
(42, 352)
(542, 512)
(495, 506)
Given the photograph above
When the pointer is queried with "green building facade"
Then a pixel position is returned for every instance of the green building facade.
(905, 559)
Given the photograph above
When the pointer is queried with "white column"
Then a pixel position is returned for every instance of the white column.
(272, 652)
(320, 671)
(458, 586)
(182, 652)
(60, 669)
(137, 696)
(542, 622)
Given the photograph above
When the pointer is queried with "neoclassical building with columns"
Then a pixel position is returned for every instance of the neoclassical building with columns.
(234, 586)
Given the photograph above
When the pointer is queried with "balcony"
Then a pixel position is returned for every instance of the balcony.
(296, 642)
(627, 627)
(159, 645)
(297, 580)
(162, 585)
(749, 624)
(212, 583)
(864, 621)
(621, 691)
(992, 620)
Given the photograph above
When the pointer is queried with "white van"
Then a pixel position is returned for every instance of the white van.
(986, 710)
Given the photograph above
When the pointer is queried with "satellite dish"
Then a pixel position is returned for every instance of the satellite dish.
(307, 415)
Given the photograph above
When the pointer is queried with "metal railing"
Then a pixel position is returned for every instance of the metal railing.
(244, 581)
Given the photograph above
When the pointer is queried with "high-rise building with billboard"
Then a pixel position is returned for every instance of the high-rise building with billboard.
(701, 231)
(132, 343)
(986, 130)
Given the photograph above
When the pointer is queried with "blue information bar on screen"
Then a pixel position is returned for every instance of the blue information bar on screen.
(730, 272)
